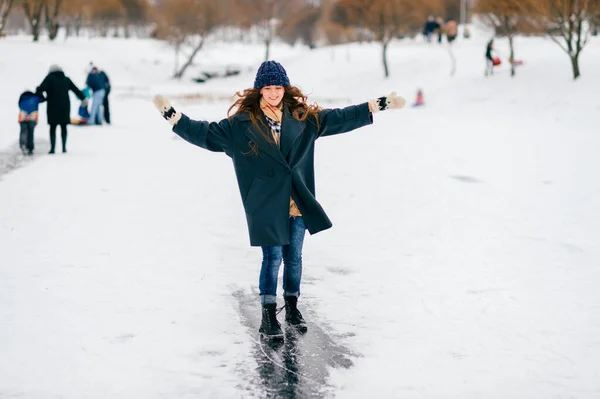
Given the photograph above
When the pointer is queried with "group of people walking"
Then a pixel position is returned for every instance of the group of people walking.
(440, 27)
(54, 90)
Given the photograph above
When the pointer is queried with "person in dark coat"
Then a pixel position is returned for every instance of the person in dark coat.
(429, 27)
(57, 86)
(489, 58)
(28, 116)
(95, 82)
(270, 138)
(105, 104)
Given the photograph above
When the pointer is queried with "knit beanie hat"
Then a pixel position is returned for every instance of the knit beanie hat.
(54, 68)
(271, 73)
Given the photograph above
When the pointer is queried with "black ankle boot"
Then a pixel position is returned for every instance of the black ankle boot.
(293, 315)
(269, 326)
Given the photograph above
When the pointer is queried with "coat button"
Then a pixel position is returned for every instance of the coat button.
(271, 173)
(287, 170)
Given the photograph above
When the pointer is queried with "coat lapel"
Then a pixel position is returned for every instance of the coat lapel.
(269, 147)
(291, 130)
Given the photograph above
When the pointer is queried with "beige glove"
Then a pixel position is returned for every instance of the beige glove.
(391, 101)
(167, 111)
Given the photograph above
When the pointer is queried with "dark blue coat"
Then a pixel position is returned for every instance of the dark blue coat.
(266, 182)
(105, 80)
(95, 82)
(29, 102)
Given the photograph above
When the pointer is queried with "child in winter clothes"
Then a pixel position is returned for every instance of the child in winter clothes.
(28, 117)
(420, 100)
(270, 138)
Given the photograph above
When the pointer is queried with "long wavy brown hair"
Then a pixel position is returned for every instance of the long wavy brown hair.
(249, 101)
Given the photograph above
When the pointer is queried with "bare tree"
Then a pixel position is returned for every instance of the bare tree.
(506, 17)
(187, 24)
(5, 7)
(105, 14)
(264, 15)
(567, 22)
(72, 12)
(33, 11)
(51, 11)
(136, 12)
(386, 19)
(301, 25)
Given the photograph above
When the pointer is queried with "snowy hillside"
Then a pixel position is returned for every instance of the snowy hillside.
(463, 261)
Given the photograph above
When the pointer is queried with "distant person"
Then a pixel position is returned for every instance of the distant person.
(107, 91)
(83, 115)
(420, 100)
(28, 117)
(430, 26)
(57, 86)
(451, 30)
(489, 58)
(96, 83)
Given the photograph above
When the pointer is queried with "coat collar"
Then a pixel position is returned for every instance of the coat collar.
(267, 146)
(291, 129)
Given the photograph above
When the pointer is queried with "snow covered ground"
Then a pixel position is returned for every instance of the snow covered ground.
(463, 261)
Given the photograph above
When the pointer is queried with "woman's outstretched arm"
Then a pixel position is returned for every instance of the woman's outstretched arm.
(342, 120)
(213, 136)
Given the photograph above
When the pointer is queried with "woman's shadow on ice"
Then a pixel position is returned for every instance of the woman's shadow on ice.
(299, 366)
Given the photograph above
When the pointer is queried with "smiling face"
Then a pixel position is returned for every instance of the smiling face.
(273, 94)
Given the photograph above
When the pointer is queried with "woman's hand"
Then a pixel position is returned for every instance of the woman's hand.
(391, 101)
(166, 110)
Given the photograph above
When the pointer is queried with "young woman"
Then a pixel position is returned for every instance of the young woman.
(271, 137)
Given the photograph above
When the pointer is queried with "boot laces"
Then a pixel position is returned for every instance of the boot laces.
(272, 319)
(293, 313)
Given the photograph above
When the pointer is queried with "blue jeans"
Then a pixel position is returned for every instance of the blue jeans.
(97, 100)
(291, 255)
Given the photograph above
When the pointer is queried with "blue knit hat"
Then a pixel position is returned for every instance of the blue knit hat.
(271, 73)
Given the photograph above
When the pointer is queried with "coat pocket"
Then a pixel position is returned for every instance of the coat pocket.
(257, 195)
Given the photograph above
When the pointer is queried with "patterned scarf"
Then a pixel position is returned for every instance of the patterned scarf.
(273, 115)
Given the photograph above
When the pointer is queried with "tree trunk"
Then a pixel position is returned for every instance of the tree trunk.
(452, 60)
(35, 30)
(33, 12)
(177, 49)
(575, 65)
(512, 55)
(267, 48)
(384, 56)
(52, 19)
(190, 60)
(78, 23)
(5, 6)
